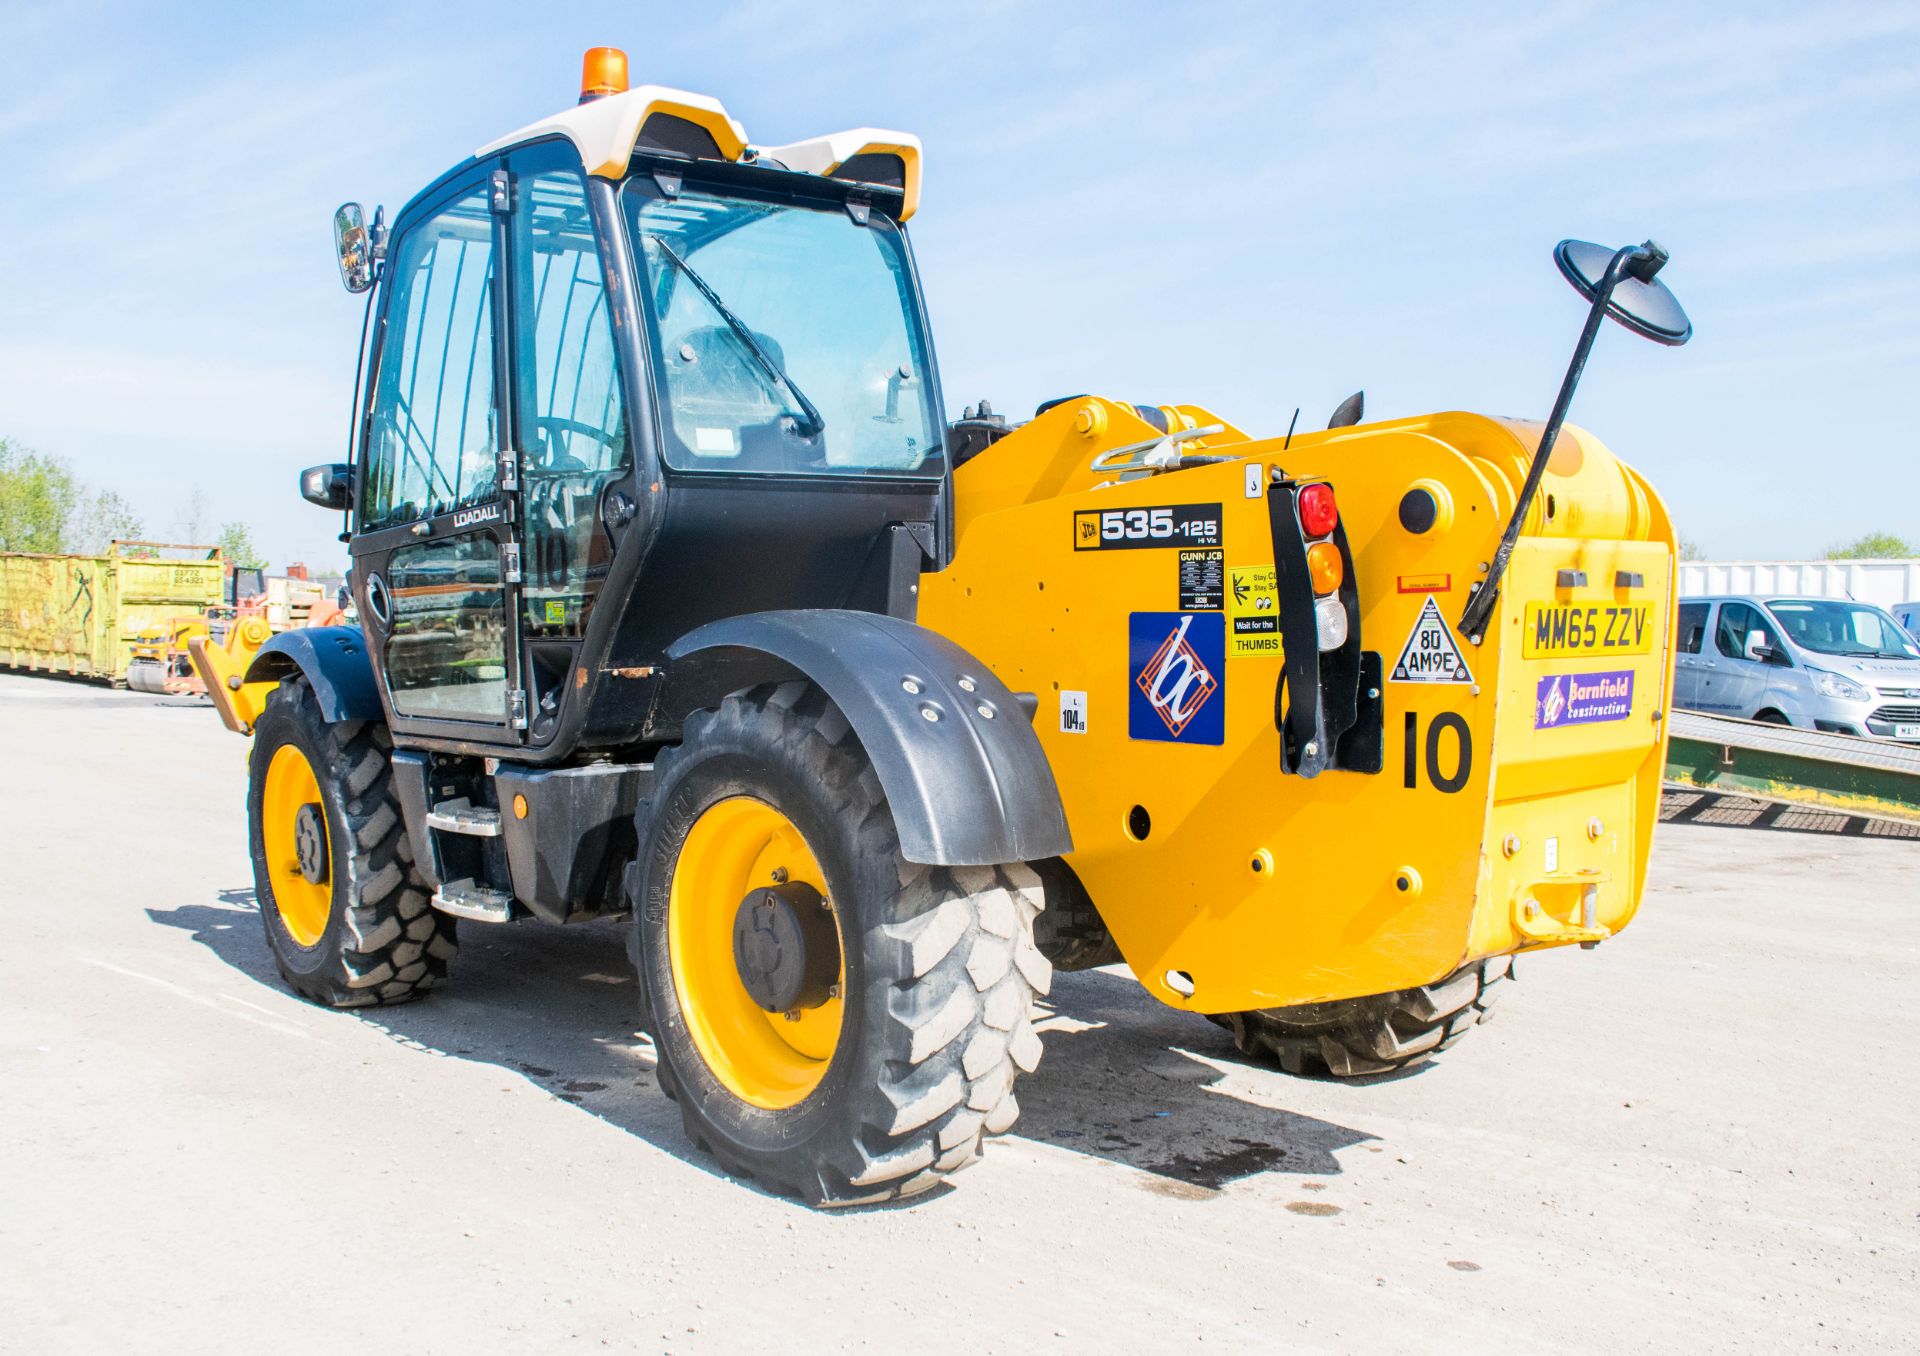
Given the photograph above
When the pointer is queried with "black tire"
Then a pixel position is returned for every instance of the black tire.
(1070, 931)
(941, 969)
(382, 942)
(1771, 717)
(1377, 1035)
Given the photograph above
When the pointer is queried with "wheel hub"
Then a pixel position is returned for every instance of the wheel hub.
(310, 843)
(786, 947)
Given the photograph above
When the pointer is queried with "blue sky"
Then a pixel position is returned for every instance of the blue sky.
(1250, 207)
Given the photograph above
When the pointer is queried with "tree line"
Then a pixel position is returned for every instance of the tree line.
(45, 508)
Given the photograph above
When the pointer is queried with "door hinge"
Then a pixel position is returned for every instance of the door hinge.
(501, 197)
(519, 704)
(509, 472)
(510, 561)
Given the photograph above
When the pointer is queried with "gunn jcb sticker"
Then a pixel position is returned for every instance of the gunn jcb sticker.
(1128, 528)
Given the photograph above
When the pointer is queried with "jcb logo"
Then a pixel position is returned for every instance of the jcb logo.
(1166, 525)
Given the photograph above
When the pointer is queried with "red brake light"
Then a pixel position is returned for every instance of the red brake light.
(1318, 514)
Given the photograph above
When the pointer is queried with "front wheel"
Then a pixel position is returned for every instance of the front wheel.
(837, 1022)
(347, 917)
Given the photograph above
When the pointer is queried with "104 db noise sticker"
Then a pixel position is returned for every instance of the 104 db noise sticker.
(1431, 654)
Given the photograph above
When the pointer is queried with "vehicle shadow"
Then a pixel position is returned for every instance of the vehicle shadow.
(1123, 1078)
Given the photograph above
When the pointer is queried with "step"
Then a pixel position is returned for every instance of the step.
(480, 903)
(462, 816)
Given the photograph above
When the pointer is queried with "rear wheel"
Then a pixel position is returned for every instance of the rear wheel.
(346, 917)
(838, 1022)
(1374, 1035)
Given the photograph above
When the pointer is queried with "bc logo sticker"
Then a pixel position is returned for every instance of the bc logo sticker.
(1176, 662)
(1582, 698)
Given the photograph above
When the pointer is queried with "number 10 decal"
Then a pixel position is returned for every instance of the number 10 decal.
(1463, 752)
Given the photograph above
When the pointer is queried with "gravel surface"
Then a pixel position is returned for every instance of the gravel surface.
(1699, 1137)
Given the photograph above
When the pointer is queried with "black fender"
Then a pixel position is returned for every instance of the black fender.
(334, 659)
(970, 787)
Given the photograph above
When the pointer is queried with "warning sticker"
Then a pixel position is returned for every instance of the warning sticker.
(1203, 580)
(1073, 712)
(1431, 654)
(1253, 612)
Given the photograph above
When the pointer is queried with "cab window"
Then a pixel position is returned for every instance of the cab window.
(433, 443)
(573, 420)
(787, 336)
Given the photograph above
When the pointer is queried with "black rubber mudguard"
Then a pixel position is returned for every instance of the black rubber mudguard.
(964, 773)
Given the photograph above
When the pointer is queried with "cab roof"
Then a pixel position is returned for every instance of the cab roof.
(607, 131)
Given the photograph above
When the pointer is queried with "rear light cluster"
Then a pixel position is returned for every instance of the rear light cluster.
(1326, 568)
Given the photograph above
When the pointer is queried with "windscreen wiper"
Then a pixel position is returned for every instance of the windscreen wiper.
(775, 373)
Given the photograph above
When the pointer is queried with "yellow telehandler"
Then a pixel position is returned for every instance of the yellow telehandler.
(682, 602)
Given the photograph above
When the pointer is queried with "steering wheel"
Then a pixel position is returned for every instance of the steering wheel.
(552, 424)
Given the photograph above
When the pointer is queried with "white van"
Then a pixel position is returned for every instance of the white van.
(1824, 663)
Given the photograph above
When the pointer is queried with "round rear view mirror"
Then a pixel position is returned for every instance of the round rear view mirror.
(1640, 301)
(353, 247)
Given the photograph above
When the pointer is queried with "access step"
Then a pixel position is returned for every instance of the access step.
(463, 816)
(482, 904)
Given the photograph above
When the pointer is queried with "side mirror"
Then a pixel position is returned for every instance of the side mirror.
(353, 247)
(1758, 647)
(331, 487)
(1636, 299)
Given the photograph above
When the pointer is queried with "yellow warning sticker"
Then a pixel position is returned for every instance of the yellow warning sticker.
(1253, 611)
(556, 612)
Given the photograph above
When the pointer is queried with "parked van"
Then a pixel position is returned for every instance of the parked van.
(1824, 663)
(1908, 615)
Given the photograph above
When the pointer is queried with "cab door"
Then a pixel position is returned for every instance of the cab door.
(437, 551)
(572, 444)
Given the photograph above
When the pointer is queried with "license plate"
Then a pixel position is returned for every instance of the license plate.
(1906, 731)
(1560, 630)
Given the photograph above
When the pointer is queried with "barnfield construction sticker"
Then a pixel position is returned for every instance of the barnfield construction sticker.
(1431, 654)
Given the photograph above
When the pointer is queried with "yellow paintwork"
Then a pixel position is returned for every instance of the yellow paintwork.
(221, 667)
(303, 905)
(1364, 885)
(154, 643)
(762, 1057)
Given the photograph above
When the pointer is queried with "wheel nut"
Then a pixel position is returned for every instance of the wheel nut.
(779, 875)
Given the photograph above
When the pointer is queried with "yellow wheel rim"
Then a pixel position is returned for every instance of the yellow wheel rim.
(303, 905)
(764, 1058)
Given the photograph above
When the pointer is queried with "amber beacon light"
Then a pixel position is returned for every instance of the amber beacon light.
(603, 72)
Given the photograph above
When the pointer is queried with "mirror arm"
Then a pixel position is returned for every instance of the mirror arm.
(1473, 620)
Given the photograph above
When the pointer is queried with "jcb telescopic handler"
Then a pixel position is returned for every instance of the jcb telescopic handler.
(681, 601)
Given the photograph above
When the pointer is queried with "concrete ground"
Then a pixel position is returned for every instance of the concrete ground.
(1700, 1137)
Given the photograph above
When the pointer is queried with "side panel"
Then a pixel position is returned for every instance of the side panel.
(1202, 855)
(965, 777)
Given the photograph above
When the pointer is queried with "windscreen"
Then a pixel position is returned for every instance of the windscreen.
(786, 337)
(1831, 626)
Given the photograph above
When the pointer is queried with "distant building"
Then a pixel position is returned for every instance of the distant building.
(1884, 583)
